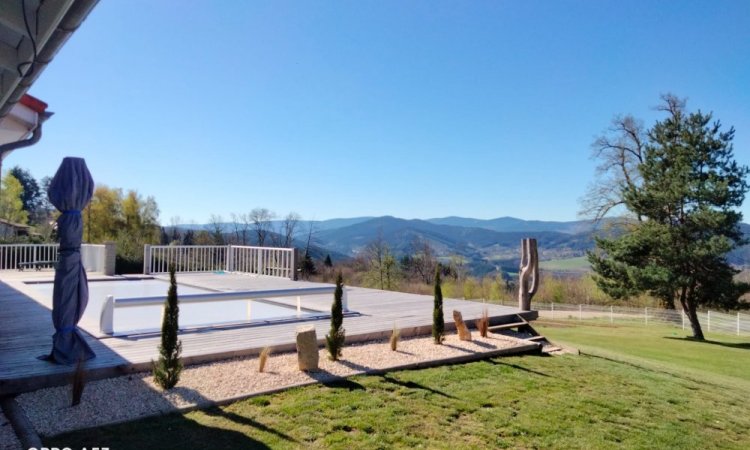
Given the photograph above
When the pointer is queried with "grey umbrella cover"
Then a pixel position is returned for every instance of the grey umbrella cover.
(70, 191)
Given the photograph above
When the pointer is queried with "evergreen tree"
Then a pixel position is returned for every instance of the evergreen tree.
(32, 194)
(335, 339)
(188, 238)
(438, 321)
(328, 263)
(167, 370)
(307, 266)
(686, 200)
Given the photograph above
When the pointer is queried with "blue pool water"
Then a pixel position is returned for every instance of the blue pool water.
(148, 318)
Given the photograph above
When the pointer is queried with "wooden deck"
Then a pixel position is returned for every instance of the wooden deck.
(26, 328)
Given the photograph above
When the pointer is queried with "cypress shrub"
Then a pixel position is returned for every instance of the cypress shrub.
(167, 369)
(438, 321)
(335, 339)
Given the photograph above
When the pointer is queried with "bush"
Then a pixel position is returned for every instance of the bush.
(335, 339)
(167, 370)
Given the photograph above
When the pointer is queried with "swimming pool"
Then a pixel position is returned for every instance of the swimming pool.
(145, 319)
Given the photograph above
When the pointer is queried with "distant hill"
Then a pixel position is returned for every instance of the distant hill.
(486, 244)
(511, 224)
(485, 250)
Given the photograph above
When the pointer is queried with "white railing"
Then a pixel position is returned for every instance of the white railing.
(711, 321)
(186, 258)
(35, 256)
(272, 261)
(20, 256)
(276, 262)
(106, 319)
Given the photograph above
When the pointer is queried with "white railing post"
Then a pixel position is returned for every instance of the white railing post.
(611, 314)
(552, 308)
(106, 319)
(738, 323)
(299, 305)
(146, 259)
(709, 320)
(229, 266)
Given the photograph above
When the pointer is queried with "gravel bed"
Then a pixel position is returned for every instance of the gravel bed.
(130, 397)
(8, 440)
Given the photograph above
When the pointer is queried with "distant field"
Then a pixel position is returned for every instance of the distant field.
(578, 264)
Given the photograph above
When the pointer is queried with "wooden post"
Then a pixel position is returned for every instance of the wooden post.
(293, 270)
(528, 275)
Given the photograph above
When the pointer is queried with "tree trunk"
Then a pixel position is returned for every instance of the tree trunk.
(688, 306)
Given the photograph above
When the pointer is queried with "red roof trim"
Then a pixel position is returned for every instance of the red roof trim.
(33, 103)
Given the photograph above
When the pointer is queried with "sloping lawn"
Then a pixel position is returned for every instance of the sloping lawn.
(515, 402)
(721, 358)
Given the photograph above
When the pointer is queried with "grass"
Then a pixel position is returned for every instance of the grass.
(721, 358)
(623, 399)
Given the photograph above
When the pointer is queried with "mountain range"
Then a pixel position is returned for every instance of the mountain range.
(486, 245)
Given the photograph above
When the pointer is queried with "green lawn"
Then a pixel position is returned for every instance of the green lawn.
(644, 390)
(721, 358)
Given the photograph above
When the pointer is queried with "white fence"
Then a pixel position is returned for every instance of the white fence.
(712, 321)
(32, 256)
(276, 262)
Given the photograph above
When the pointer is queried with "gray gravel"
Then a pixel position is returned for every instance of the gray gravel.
(131, 397)
(8, 440)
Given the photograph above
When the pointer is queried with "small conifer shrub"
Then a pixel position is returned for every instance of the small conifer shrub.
(167, 369)
(335, 339)
(438, 321)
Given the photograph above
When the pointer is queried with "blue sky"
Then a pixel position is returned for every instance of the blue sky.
(342, 109)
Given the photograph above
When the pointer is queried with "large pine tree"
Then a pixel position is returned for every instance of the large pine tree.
(687, 201)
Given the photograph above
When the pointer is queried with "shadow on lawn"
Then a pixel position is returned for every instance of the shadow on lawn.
(215, 411)
(171, 432)
(740, 345)
(515, 366)
(413, 385)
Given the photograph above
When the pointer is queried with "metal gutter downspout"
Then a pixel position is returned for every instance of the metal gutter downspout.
(36, 135)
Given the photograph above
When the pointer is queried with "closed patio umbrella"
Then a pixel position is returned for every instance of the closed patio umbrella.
(70, 191)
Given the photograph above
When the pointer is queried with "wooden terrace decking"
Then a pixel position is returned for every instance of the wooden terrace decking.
(26, 327)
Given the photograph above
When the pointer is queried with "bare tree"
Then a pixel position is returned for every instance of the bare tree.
(261, 222)
(307, 265)
(241, 225)
(216, 229)
(423, 260)
(287, 227)
(383, 270)
(619, 151)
